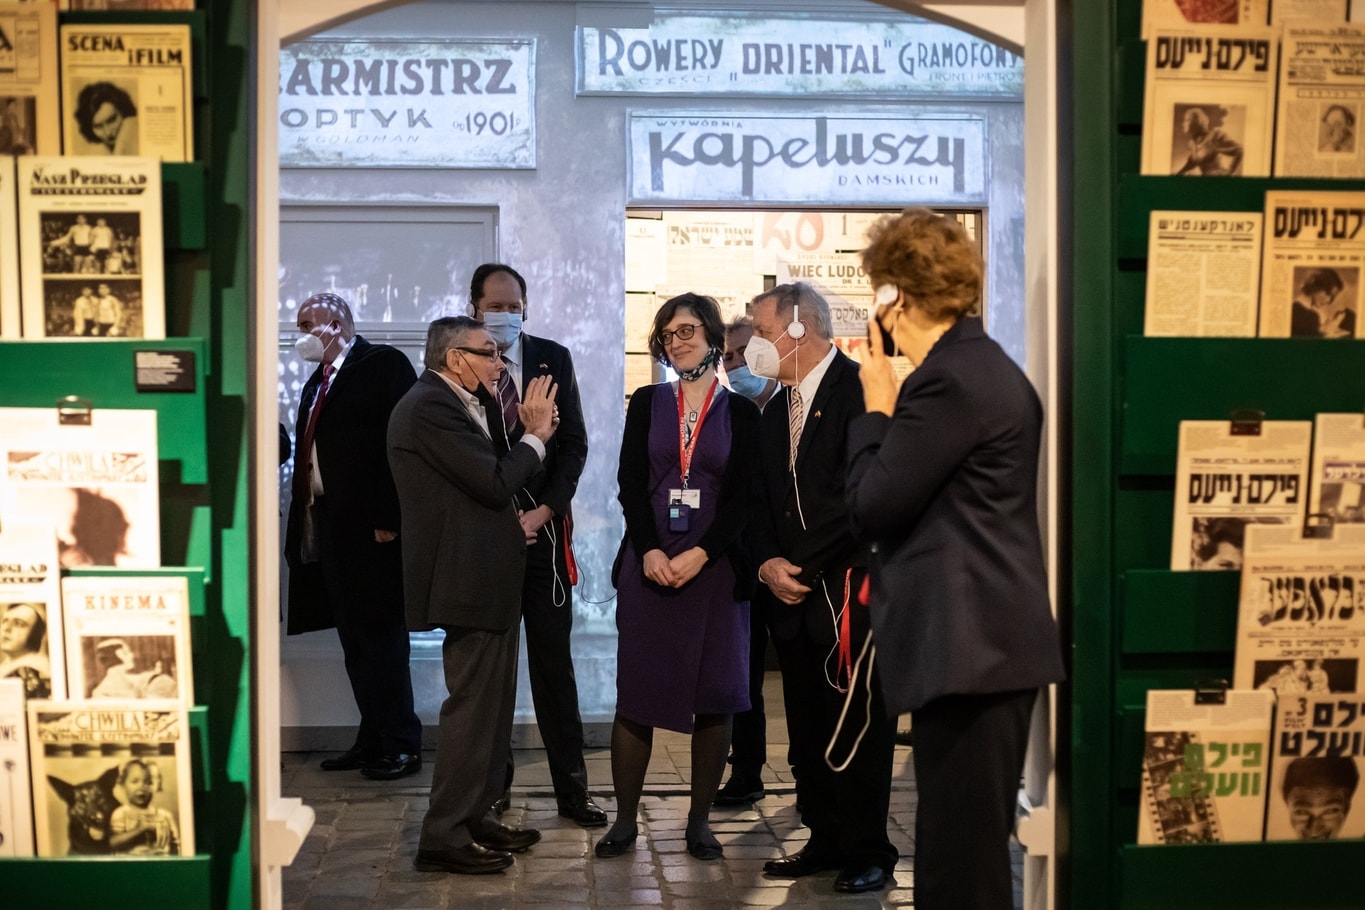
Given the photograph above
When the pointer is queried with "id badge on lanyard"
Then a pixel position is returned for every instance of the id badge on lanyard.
(682, 500)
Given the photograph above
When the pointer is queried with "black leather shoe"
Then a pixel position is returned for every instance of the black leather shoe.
(504, 803)
(392, 767)
(352, 758)
(857, 879)
(801, 863)
(739, 791)
(471, 859)
(586, 814)
(501, 837)
(607, 847)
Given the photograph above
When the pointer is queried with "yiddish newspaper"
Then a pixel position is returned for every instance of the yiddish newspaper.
(1175, 13)
(1224, 482)
(111, 778)
(29, 122)
(1338, 481)
(1203, 274)
(1311, 265)
(1205, 768)
(128, 636)
(1209, 101)
(9, 252)
(31, 610)
(126, 91)
(1317, 760)
(16, 801)
(1322, 91)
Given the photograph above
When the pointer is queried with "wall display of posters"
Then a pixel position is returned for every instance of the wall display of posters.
(16, 800)
(1311, 264)
(1209, 102)
(1300, 626)
(1317, 761)
(90, 240)
(1282, 11)
(9, 252)
(375, 102)
(1203, 274)
(647, 261)
(900, 57)
(840, 279)
(1224, 482)
(1322, 98)
(128, 636)
(1338, 479)
(1204, 768)
(95, 485)
(111, 778)
(31, 651)
(29, 120)
(1175, 13)
(126, 91)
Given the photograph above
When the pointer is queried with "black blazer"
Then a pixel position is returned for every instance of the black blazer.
(350, 441)
(464, 553)
(567, 450)
(727, 534)
(825, 546)
(947, 488)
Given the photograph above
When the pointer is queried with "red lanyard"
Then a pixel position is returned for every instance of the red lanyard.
(843, 675)
(685, 449)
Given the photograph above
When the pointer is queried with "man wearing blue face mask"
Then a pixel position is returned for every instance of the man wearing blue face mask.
(342, 547)
(497, 295)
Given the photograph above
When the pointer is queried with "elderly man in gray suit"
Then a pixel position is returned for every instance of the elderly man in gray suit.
(462, 573)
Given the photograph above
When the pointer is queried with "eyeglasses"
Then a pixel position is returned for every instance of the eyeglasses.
(490, 353)
(684, 332)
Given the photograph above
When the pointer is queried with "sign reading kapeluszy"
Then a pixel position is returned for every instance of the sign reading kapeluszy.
(398, 103)
(705, 55)
(795, 158)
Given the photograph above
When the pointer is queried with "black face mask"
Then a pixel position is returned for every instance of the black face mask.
(889, 346)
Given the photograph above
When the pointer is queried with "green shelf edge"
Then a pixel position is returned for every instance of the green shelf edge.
(1248, 876)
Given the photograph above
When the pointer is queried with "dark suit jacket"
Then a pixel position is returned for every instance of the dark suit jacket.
(464, 553)
(826, 545)
(350, 441)
(567, 450)
(946, 487)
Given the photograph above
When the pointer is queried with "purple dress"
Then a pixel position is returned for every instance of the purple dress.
(682, 651)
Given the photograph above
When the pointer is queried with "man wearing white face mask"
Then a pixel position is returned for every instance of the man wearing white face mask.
(345, 565)
(497, 295)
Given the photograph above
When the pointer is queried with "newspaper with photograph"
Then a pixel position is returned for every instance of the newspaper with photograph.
(1311, 264)
(1338, 479)
(111, 778)
(29, 122)
(90, 242)
(1322, 90)
(16, 800)
(95, 486)
(1226, 480)
(128, 636)
(126, 90)
(31, 649)
(1176, 13)
(1300, 626)
(1317, 757)
(1209, 101)
(1205, 766)
(1203, 274)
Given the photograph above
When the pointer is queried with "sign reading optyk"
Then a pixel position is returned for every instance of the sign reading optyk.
(806, 158)
(401, 103)
(701, 55)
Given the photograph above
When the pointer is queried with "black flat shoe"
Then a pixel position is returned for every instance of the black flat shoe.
(704, 850)
(392, 767)
(607, 847)
(586, 814)
(353, 758)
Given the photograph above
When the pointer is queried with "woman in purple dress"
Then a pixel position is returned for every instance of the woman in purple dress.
(683, 575)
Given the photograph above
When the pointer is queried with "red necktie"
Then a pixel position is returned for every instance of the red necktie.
(508, 398)
(303, 455)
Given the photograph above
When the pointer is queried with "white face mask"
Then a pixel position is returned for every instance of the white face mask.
(504, 327)
(762, 357)
(310, 347)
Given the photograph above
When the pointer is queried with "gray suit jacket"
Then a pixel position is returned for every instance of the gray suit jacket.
(464, 553)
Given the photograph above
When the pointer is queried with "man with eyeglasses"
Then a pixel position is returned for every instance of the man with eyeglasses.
(463, 566)
(497, 296)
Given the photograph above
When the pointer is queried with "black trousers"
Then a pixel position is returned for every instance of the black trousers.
(749, 734)
(969, 755)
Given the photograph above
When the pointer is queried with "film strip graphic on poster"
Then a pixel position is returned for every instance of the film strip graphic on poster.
(1174, 796)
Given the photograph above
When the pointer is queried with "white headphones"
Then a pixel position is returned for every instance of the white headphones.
(797, 328)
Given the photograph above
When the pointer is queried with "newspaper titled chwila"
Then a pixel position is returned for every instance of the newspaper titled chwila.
(1311, 265)
(1225, 481)
(126, 91)
(1209, 101)
(1322, 89)
(1203, 274)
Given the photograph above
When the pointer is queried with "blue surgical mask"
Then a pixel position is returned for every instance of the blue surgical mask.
(744, 382)
(504, 327)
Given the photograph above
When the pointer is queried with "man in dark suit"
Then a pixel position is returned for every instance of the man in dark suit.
(810, 561)
(497, 295)
(462, 570)
(342, 547)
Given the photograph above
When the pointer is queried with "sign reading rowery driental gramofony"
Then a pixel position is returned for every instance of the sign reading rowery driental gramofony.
(401, 103)
(796, 158)
(699, 55)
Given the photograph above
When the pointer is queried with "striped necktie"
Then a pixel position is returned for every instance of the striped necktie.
(508, 398)
(794, 414)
